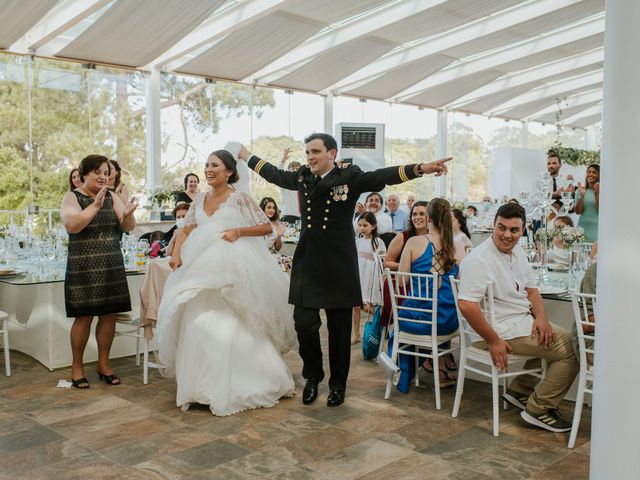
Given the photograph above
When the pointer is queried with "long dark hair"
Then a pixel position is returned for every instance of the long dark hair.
(263, 207)
(72, 187)
(116, 165)
(412, 228)
(462, 221)
(371, 218)
(596, 167)
(439, 211)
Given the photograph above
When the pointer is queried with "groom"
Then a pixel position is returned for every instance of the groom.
(325, 264)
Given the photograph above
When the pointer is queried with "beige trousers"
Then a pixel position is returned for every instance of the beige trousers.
(562, 369)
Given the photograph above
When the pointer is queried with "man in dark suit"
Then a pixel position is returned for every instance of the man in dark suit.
(325, 264)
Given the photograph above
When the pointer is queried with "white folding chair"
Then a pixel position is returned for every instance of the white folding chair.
(133, 329)
(379, 277)
(5, 342)
(415, 286)
(584, 307)
(486, 368)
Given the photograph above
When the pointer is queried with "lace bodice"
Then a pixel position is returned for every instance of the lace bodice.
(240, 210)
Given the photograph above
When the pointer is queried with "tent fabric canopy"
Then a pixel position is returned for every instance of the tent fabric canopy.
(508, 58)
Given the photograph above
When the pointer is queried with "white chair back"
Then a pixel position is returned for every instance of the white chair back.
(414, 286)
(584, 305)
(487, 306)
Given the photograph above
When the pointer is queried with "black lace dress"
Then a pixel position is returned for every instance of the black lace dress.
(95, 282)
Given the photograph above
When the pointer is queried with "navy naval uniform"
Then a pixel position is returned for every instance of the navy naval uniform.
(325, 264)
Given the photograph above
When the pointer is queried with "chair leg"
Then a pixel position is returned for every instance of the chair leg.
(5, 339)
(138, 347)
(505, 404)
(462, 370)
(145, 364)
(417, 368)
(495, 390)
(577, 413)
(383, 340)
(387, 392)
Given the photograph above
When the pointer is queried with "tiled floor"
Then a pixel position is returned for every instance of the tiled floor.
(135, 431)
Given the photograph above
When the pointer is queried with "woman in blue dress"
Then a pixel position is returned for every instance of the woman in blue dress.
(435, 252)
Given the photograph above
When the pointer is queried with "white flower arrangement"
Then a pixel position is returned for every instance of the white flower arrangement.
(569, 235)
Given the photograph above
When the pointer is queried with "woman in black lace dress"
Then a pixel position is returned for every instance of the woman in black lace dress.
(95, 282)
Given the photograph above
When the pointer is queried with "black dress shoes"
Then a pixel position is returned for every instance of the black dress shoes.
(335, 398)
(310, 392)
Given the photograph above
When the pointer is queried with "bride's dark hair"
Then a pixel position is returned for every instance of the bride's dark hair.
(229, 163)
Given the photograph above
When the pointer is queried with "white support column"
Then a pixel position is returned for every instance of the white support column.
(616, 417)
(154, 134)
(525, 134)
(590, 139)
(441, 150)
(328, 114)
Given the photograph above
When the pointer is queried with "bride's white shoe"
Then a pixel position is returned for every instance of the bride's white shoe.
(185, 407)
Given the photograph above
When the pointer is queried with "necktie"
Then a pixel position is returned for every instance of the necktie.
(393, 220)
(316, 180)
(555, 185)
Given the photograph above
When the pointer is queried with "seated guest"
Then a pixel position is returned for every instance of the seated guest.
(75, 180)
(179, 213)
(399, 218)
(156, 246)
(435, 252)
(417, 226)
(471, 211)
(191, 181)
(408, 205)
(115, 183)
(460, 231)
(559, 253)
(373, 204)
(521, 325)
(270, 208)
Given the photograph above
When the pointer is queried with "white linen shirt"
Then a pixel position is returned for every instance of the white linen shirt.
(510, 276)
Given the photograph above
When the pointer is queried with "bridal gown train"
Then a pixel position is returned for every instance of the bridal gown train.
(224, 319)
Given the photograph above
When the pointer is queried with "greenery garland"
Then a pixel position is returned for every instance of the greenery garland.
(571, 156)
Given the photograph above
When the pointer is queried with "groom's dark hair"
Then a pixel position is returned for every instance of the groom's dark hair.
(229, 163)
(328, 140)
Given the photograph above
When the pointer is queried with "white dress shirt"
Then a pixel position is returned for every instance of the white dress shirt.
(509, 275)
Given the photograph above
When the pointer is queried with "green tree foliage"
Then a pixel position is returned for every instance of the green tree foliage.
(74, 111)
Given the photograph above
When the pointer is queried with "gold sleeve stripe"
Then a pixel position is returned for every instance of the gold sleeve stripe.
(402, 173)
(259, 166)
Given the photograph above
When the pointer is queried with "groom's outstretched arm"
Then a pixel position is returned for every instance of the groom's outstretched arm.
(271, 173)
(376, 180)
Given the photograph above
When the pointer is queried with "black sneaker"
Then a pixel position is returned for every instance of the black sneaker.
(550, 420)
(516, 399)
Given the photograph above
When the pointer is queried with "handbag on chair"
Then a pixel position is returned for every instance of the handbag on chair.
(372, 335)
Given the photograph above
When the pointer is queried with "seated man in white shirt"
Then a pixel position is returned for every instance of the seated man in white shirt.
(373, 204)
(521, 326)
(399, 218)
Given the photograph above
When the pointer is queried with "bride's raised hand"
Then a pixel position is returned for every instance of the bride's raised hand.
(231, 235)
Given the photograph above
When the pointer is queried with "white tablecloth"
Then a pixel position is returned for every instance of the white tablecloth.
(39, 327)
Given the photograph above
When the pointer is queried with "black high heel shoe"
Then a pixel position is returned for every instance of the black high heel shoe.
(81, 383)
(109, 379)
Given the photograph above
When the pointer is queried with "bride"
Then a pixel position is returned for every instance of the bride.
(224, 318)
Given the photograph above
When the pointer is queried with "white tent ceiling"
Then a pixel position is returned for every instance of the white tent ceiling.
(507, 58)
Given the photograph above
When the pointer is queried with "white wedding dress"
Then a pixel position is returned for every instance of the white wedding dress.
(224, 320)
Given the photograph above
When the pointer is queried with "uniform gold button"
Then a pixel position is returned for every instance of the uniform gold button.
(306, 194)
(325, 219)
(326, 210)
(309, 226)
(328, 202)
(309, 217)
(308, 209)
(324, 227)
(308, 201)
